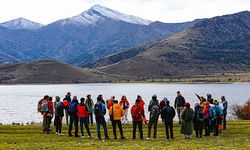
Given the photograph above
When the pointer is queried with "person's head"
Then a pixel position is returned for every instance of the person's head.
(65, 99)
(112, 97)
(99, 98)
(223, 98)
(74, 98)
(202, 99)
(50, 99)
(46, 97)
(154, 97)
(124, 97)
(57, 98)
(88, 96)
(187, 105)
(115, 101)
(178, 93)
(139, 97)
(196, 105)
(209, 96)
(216, 102)
(137, 101)
(167, 102)
(82, 100)
(69, 94)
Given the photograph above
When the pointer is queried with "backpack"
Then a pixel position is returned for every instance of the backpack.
(155, 111)
(199, 114)
(98, 110)
(72, 107)
(43, 106)
(136, 112)
(169, 113)
(188, 115)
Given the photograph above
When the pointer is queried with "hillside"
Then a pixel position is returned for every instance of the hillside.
(216, 45)
(49, 72)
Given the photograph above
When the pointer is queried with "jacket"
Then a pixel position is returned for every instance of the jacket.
(51, 107)
(82, 111)
(117, 111)
(141, 110)
(89, 103)
(124, 104)
(179, 101)
(168, 113)
(59, 109)
(109, 103)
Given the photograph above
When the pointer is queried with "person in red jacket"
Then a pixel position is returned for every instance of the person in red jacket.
(137, 113)
(82, 113)
(125, 105)
(142, 103)
(49, 115)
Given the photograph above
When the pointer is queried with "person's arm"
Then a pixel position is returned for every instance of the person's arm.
(110, 110)
(175, 103)
(198, 96)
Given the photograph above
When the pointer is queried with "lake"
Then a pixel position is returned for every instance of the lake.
(18, 102)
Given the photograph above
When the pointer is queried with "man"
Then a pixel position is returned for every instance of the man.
(59, 106)
(89, 103)
(116, 111)
(73, 116)
(42, 107)
(168, 114)
(137, 113)
(154, 110)
(163, 104)
(49, 115)
(210, 99)
(100, 111)
(68, 98)
(179, 104)
(225, 105)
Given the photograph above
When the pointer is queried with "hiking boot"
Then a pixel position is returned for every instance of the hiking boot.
(83, 137)
(107, 138)
(70, 135)
(56, 133)
(123, 138)
(60, 134)
(77, 136)
(90, 137)
(148, 138)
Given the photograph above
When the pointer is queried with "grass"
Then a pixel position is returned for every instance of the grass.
(237, 136)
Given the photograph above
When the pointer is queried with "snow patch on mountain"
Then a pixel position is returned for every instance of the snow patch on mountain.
(21, 23)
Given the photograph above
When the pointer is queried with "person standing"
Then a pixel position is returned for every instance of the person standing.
(59, 106)
(72, 111)
(168, 114)
(109, 102)
(116, 111)
(49, 115)
(82, 113)
(225, 106)
(163, 104)
(210, 99)
(68, 98)
(90, 103)
(125, 105)
(187, 116)
(100, 111)
(137, 113)
(154, 110)
(179, 104)
(207, 119)
(216, 117)
(198, 120)
(42, 107)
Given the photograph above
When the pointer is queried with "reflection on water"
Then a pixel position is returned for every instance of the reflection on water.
(18, 102)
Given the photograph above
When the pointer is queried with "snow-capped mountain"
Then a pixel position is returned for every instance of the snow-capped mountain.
(97, 12)
(21, 23)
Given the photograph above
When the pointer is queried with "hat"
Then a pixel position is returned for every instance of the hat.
(165, 99)
(196, 105)
(187, 105)
(215, 102)
(74, 97)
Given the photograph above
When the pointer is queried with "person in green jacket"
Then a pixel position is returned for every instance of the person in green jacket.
(187, 116)
(89, 102)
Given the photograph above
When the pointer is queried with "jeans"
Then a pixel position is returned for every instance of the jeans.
(169, 125)
(179, 109)
(47, 124)
(224, 121)
(152, 122)
(139, 124)
(104, 124)
(119, 123)
(73, 119)
(90, 118)
(58, 124)
(85, 122)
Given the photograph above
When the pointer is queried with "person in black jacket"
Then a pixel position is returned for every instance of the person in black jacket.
(168, 114)
(179, 104)
(68, 98)
(198, 120)
(73, 116)
(225, 105)
(58, 105)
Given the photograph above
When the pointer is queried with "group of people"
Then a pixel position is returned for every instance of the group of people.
(208, 114)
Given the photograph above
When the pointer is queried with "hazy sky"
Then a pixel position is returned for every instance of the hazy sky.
(47, 11)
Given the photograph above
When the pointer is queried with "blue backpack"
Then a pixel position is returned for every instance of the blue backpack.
(72, 107)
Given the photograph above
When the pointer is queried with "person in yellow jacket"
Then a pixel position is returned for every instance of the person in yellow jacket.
(116, 112)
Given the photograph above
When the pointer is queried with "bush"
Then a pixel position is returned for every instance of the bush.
(241, 112)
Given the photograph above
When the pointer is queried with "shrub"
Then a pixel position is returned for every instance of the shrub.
(241, 112)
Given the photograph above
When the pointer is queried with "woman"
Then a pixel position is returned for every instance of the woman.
(198, 120)
(125, 105)
(207, 120)
(187, 116)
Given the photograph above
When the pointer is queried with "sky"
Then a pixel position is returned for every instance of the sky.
(169, 11)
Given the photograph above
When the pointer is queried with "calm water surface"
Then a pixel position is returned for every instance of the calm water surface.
(18, 102)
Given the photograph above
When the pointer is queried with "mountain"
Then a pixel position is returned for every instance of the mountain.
(21, 23)
(78, 40)
(49, 72)
(216, 45)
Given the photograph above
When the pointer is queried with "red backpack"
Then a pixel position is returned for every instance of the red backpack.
(136, 112)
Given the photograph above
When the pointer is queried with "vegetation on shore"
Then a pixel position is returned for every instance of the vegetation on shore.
(236, 136)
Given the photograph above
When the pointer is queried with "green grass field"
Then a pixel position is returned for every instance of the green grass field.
(237, 136)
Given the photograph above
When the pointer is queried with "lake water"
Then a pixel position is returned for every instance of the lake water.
(18, 102)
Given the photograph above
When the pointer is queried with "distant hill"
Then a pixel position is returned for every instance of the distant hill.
(216, 45)
(49, 72)
(80, 39)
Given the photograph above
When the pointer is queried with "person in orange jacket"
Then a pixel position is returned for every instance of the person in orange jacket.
(125, 105)
(116, 112)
